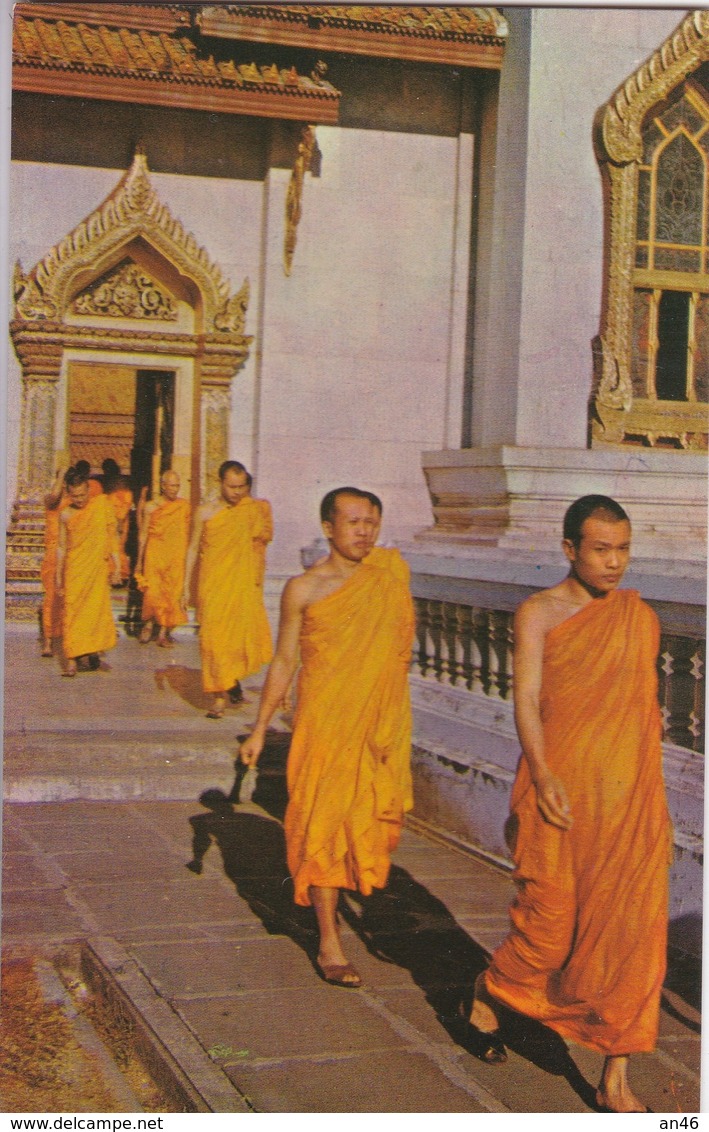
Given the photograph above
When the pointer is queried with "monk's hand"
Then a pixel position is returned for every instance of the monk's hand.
(552, 801)
(251, 748)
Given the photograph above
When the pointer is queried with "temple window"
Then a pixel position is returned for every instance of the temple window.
(652, 354)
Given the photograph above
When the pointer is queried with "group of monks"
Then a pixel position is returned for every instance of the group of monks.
(85, 554)
(589, 830)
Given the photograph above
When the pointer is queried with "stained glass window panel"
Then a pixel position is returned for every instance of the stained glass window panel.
(680, 193)
(677, 259)
(643, 221)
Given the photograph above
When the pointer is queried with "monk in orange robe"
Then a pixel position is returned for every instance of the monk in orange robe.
(117, 488)
(87, 543)
(160, 569)
(55, 501)
(229, 535)
(589, 827)
(349, 777)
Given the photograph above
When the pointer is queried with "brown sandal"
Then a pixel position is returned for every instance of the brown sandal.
(340, 975)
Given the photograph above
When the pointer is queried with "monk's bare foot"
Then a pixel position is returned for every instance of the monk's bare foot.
(47, 647)
(70, 669)
(614, 1092)
(217, 709)
(483, 1038)
(146, 633)
(483, 1015)
(164, 641)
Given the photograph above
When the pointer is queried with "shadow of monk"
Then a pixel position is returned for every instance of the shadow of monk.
(186, 683)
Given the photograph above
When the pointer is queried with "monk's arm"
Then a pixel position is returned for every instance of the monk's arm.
(192, 552)
(53, 497)
(529, 633)
(282, 667)
(264, 531)
(144, 514)
(112, 531)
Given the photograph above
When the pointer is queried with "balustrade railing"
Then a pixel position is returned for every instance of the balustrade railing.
(470, 647)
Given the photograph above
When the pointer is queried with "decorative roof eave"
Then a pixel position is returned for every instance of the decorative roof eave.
(143, 17)
(618, 127)
(173, 91)
(459, 36)
(93, 58)
(132, 210)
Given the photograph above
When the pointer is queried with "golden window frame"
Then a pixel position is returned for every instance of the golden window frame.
(619, 414)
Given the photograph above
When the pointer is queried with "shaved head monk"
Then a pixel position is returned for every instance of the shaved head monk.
(229, 536)
(87, 563)
(55, 501)
(160, 568)
(349, 780)
(589, 828)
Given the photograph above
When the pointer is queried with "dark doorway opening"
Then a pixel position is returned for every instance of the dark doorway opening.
(153, 443)
(672, 342)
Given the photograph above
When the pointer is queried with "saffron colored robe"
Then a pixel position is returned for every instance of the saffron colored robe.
(586, 954)
(267, 535)
(164, 563)
(234, 634)
(90, 540)
(122, 501)
(349, 766)
(51, 605)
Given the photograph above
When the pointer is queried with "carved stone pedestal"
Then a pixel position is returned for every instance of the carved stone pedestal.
(516, 497)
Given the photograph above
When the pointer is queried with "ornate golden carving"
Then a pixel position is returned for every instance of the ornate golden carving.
(127, 292)
(451, 34)
(294, 196)
(103, 51)
(132, 210)
(231, 318)
(216, 404)
(96, 255)
(616, 416)
(614, 391)
(620, 120)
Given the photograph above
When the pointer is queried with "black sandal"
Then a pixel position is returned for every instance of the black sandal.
(487, 1046)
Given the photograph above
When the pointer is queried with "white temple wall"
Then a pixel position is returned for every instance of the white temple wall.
(356, 341)
(538, 309)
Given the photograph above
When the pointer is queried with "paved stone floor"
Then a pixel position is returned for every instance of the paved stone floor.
(118, 828)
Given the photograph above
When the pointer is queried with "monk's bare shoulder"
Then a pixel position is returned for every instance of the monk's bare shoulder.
(318, 581)
(297, 594)
(545, 610)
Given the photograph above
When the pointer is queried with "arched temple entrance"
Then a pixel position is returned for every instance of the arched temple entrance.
(128, 338)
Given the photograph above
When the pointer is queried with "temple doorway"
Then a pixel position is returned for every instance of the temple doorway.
(126, 414)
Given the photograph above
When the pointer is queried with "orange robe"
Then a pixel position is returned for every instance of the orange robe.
(267, 520)
(90, 540)
(349, 766)
(51, 605)
(164, 563)
(122, 501)
(586, 953)
(234, 634)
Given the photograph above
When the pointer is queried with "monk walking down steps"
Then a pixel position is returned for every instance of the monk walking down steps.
(160, 569)
(590, 832)
(228, 537)
(87, 563)
(348, 772)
